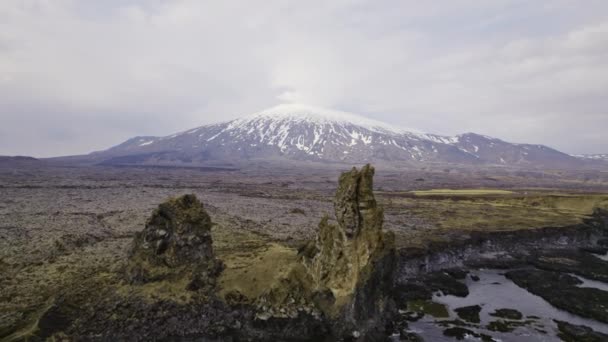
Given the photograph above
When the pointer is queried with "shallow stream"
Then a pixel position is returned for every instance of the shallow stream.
(494, 291)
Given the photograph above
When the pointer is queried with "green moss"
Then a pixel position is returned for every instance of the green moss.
(344, 257)
(462, 192)
(469, 313)
(500, 326)
(254, 271)
(507, 313)
(428, 307)
(27, 328)
(440, 215)
(175, 244)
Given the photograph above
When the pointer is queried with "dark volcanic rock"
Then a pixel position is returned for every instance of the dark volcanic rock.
(175, 243)
(501, 326)
(460, 333)
(469, 313)
(574, 261)
(410, 337)
(422, 288)
(507, 313)
(413, 290)
(603, 242)
(439, 281)
(561, 291)
(594, 249)
(598, 219)
(346, 272)
(577, 333)
(457, 273)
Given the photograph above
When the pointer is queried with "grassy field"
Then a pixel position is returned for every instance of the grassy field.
(462, 192)
(433, 214)
(254, 263)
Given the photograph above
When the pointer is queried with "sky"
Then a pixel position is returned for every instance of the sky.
(82, 75)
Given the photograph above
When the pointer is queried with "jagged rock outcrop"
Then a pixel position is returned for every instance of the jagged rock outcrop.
(342, 256)
(175, 245)
(346, 272)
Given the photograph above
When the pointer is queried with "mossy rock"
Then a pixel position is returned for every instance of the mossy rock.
(448, 285)
(469, 313)
(460, 333)
(507, 314)
(500, 326)
(428, 307)
(574, 261)
(175, 243)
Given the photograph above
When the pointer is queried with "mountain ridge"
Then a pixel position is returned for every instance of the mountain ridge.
(305, 133)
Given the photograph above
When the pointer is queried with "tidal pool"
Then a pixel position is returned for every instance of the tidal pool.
(494, 291)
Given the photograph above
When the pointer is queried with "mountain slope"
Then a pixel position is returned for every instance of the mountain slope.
(299, 132)
(602, 156)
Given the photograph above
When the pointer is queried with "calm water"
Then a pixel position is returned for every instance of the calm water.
(603, 257)
(494, 291)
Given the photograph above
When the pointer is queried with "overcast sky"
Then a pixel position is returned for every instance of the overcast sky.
(78, 76)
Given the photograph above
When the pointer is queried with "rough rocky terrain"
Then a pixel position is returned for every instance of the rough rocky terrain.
(66, 234)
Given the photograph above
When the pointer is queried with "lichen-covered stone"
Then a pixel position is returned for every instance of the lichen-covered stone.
(342, 255)
(469, 313)
(175, 243)
(346, 272)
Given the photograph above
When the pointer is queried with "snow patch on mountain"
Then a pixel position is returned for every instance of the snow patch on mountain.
(302, 132)
(321, 116)
(601, 156)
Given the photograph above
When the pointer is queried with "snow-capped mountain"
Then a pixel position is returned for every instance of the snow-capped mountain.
(601, 156)
(300, 132)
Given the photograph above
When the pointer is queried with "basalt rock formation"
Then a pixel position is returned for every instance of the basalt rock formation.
(175, 244)
(598, 219)
(346, 271)
(340, 286)
(343, 256)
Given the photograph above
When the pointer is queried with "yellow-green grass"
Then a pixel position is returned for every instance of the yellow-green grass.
(461, 192)
(29, 327)
(436, 216)
(252, 272)
(253, 262)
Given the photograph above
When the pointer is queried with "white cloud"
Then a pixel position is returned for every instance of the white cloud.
(80, 75)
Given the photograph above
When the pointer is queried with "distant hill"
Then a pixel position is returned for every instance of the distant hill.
(8, 159)
(18, 161)
(304, 133)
